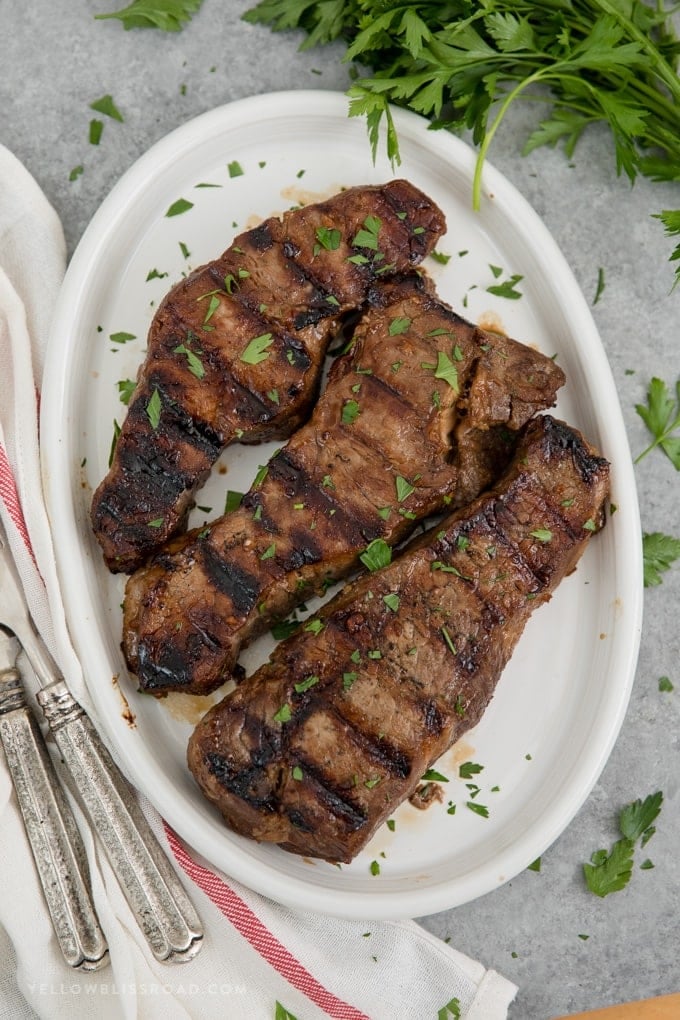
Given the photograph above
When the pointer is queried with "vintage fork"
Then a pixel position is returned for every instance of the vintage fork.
(157, 898)
(52, 832)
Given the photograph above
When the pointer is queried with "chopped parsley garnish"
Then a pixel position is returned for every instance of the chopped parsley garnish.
(256, 350)
(284, 714)
(314, 626)
(350, 412)
(297, 773)
(76, 172)
(232, 500)
(328, 238)
(446, 370)
(368, 236)
(305, 685)
(448, 640)
(213, 305)
(432, 776)
(404, 488)
(469, 769)
(542, 534)
(282, 630)
(600, 285)
(157, 523)
(391, 601)
(348, 679)
(235, 169)
(376, 555)
(440, 257)
(665, 684)
(479, 809)
(451, 1011)
(507, 288)
(399, 325)
(95, 132)
(374, 868)
(114, 440)
(121, 338)
(126, 388)
(194, 363)
(182, 205)
(107, 106)
(154, 274)
(281, 1013)
(153, 409)
(269, 552)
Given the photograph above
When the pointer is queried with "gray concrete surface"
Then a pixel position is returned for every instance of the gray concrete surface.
(56, 59)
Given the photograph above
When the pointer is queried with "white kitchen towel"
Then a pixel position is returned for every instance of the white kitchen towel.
(257, 954)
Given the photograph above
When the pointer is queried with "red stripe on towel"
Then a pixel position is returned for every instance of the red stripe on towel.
(10, 497)
(258, 935)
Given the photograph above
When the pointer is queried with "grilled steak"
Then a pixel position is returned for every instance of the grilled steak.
(235, 351)
(321, 744)
(421, 413)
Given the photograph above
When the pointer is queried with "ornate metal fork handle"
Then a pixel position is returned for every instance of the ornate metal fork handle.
(52, 832)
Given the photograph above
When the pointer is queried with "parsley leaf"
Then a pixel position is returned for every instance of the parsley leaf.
(636, 818)
(659, 551)
(609, 872)
(662, 417)
(153, 409)
(377, 554)
(107, 106)
(167, 15)
(507, 288)
(182, 205)
(281, 1013)
(126, 388)
(671, 221)
(256, 351)
(451, 1011)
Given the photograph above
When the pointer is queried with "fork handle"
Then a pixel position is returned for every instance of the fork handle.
(153, 891)
(52, 832)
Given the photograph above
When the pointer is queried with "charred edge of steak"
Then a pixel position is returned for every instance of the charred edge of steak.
(364, 730)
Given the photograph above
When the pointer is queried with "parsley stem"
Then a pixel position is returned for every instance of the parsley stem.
(491, 131)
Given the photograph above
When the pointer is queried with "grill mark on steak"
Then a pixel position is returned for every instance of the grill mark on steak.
(239, 585)
(345, 478)
(275, 280)
(479, 574)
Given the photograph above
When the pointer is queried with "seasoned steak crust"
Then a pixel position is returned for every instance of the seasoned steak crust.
(320, 745)
(235, 351)
(421, 414)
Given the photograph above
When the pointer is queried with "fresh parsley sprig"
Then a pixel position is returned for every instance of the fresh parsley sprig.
(671, 221)
(463, 66)
(609, 872)
(661, 415)
(659, 552)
